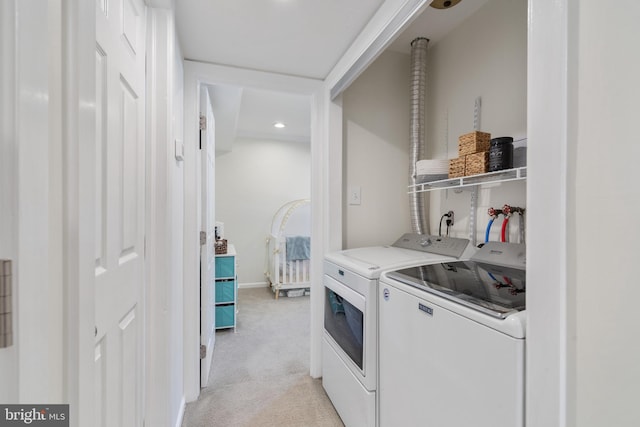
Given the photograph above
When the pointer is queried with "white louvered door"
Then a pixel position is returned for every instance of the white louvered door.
(120, 196)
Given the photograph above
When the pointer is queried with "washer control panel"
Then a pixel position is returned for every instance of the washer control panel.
(447, 246)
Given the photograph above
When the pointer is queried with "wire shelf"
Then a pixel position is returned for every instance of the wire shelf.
(515, 174)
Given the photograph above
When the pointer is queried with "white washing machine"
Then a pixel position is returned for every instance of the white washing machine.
(452, 341)
(350, 342)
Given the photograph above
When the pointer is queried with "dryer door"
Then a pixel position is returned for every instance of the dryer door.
(344, 316)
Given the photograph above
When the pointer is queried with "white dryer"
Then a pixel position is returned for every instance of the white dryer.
(452, 341)
(350, 342)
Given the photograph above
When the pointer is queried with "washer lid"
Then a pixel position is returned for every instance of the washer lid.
(382, 256)
(371, 261)
(410, 249)
(494, 290)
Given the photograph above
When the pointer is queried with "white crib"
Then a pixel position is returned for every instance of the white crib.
(287, 269)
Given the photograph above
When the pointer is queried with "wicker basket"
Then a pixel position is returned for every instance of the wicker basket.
(473, 142)
(476, 163)
(456, 167)
(220, 246)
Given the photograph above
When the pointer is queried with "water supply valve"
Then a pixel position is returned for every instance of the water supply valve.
(494, 212)
(510, 210)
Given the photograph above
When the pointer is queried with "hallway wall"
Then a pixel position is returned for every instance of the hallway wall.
(165, 184)
(607, 373)
(32, 198)
(176, 380)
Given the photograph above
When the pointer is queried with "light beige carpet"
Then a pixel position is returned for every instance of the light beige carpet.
(260, 374)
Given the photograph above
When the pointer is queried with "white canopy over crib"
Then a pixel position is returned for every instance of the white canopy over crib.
(288, 248)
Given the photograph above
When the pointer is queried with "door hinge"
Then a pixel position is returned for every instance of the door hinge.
(203, 126)
(203, 238)
(6, 308)
(203, 351)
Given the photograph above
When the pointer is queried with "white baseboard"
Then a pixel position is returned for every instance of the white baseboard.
(180, 417)
(253, 285)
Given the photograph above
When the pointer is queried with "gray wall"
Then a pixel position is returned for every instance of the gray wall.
(603, 251)
(376, 153)
(252, 182)
(484, 57)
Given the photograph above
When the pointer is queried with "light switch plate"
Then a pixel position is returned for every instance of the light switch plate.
(355, 193)
(179, 147)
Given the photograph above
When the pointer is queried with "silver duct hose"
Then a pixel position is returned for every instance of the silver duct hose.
(418, 94)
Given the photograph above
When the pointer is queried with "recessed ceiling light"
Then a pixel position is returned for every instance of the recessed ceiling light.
(279, 125)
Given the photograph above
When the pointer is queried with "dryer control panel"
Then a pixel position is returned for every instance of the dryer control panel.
(447, 246)
(512, 255)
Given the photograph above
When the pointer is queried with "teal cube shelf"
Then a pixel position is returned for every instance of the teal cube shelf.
(225, 267)
(225, 316)
(225, 291)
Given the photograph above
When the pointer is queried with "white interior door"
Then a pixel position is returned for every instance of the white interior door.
(119, 251)
(207, 252)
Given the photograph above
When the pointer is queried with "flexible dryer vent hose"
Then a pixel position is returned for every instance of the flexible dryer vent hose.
(417, 132)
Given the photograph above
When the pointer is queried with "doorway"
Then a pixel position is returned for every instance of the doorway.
(259, 167)
(198, 75)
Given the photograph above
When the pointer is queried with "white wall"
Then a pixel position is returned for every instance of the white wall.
(486, 56)
(8, 184)
(164, 358)
(252, 182)
(376, 153)
(582, 311)
(604, 254)
(176, 380)
(31, 191)
(47, 229)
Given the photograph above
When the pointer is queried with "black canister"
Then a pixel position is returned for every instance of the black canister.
(501, 154)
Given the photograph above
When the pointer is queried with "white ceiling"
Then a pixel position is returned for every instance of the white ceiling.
(251, 113)
(295, 37)
(302, 38)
